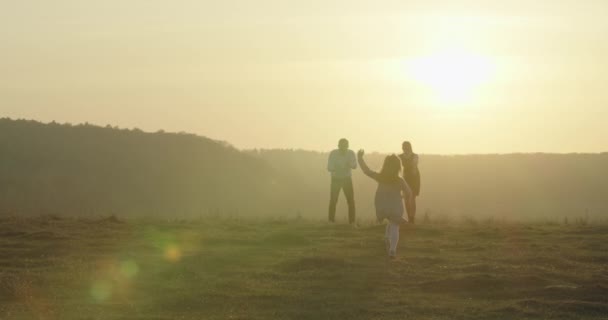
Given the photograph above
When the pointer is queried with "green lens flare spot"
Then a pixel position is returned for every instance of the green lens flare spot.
(101, 291)
(129, 269)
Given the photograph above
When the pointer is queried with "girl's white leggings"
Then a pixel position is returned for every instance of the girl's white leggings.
(392, 235)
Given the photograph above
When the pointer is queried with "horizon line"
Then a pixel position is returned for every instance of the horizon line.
(116, 127)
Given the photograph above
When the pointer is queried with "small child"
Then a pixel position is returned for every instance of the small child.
(390, 196)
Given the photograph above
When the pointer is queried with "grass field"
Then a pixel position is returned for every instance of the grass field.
(62, 268)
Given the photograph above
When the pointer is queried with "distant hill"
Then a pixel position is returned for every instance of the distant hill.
(89, 170)
(86, 169)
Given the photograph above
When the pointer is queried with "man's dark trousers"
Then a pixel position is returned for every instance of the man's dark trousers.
(345, 184)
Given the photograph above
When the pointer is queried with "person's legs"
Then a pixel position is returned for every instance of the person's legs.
(411, 211)
(387, 231)
(387, 237)
(393, 238)
(335, 187)
(350, 198)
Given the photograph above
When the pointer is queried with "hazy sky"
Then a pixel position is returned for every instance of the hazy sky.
(451, 76)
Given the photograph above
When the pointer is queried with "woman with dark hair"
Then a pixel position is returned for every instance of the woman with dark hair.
(391, 194)
(411, 174)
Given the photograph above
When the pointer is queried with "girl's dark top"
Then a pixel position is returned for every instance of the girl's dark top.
(411, 174)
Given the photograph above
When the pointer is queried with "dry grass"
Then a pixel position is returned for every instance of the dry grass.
(61, 268)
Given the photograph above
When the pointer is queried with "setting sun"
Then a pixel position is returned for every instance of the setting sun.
(452, 76)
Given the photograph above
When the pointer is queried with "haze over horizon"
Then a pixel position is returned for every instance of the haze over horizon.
(473, 77)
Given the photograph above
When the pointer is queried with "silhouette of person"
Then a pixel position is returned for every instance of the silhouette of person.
(340, 164)
(391, 194)
(411, 174)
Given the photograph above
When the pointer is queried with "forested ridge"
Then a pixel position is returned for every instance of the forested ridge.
(91, 170)
(86, 169)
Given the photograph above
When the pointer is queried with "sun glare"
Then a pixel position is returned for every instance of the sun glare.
(452, 76)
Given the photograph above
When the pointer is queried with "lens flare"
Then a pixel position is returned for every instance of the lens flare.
(101, 291)
(129, 269)
(173, 253)
(173, 245)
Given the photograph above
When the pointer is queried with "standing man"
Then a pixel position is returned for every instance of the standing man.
(341, 162)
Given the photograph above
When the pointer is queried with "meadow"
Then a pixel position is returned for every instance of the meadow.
(54, 267)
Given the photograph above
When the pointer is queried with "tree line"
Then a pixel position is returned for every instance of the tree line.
(92, 170)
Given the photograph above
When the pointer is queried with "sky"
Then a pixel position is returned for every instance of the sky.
(453, 77)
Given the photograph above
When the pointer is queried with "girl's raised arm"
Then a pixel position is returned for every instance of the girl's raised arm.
(368, 172)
